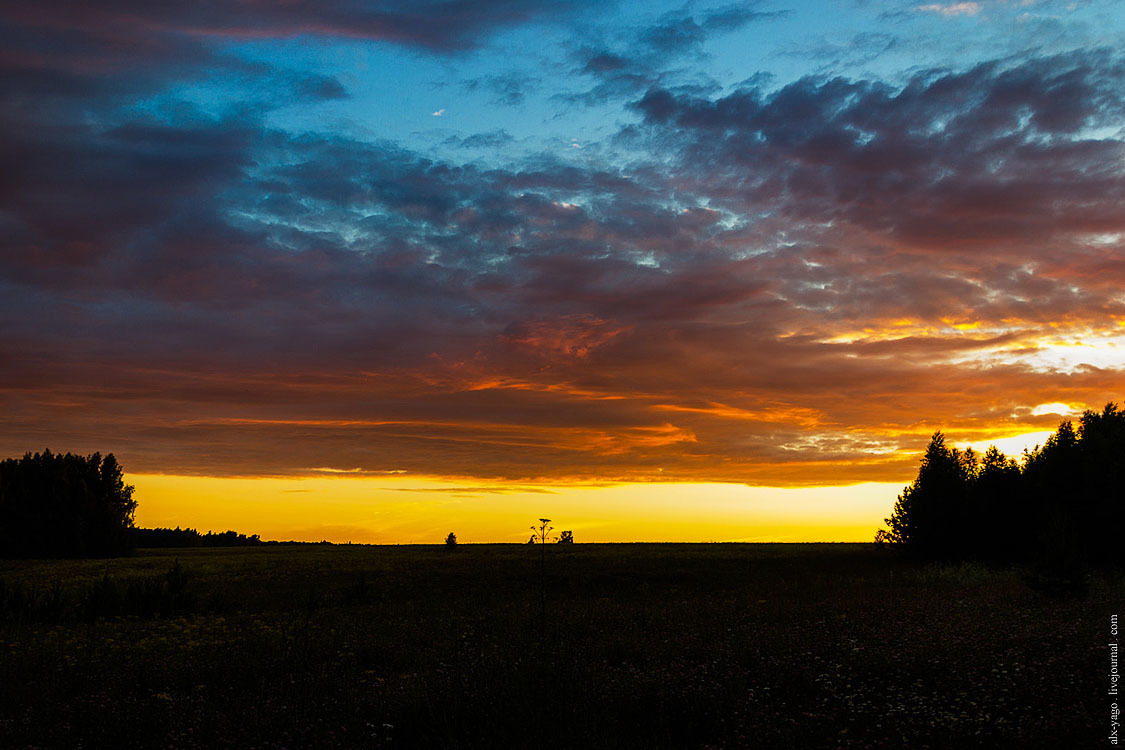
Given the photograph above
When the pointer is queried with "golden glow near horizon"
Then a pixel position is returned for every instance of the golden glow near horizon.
(405, 510)
(1012, 447)
(340, 506)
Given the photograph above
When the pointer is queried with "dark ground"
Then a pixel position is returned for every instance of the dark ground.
(638, 646)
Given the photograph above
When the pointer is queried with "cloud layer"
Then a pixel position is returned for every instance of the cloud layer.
(788, 286)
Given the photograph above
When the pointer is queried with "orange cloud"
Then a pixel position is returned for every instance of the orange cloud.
(565, 337)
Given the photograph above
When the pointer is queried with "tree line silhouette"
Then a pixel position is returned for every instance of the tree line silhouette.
(67, 505)
(54, 505)
(177, 537)
(1059, 507)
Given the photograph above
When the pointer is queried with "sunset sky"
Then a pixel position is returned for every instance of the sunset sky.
(377, 271)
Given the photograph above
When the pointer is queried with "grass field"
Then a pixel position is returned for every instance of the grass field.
(637, 646)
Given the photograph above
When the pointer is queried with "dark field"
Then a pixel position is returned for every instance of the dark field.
(677, 646)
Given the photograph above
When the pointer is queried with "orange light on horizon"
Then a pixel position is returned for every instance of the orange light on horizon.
(404, 510)
(351, 505)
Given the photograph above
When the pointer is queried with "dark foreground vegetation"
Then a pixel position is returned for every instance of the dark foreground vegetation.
(637, 646)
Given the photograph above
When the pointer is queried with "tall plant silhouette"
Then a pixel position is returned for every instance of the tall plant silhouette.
(541, 533)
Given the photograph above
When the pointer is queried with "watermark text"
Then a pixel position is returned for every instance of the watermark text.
(1114, 678)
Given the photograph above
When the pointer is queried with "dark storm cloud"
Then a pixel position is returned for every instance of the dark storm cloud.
(77, 192)
(439, 25)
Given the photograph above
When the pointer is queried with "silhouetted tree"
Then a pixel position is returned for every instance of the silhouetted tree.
(566, 537)
(995, 494)
(1102, 471)
(55, 505)
(1053, 488)
(1058, 510)
(451, 540)
(930, 516)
